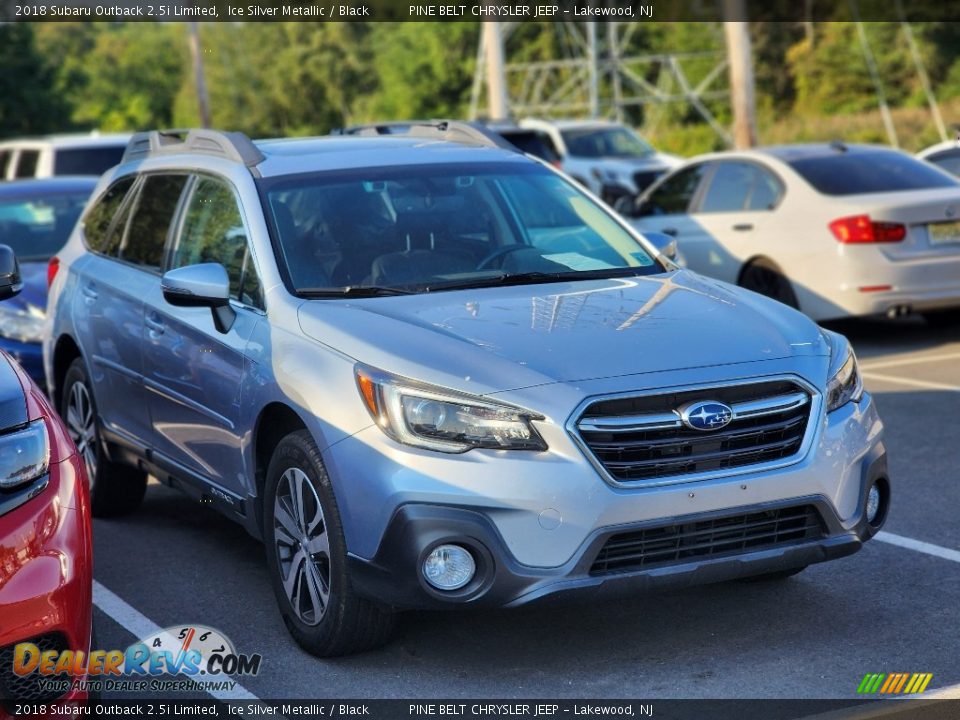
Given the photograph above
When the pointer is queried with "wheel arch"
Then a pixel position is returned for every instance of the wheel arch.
(65, 352)
(275, 421)
(762, 259)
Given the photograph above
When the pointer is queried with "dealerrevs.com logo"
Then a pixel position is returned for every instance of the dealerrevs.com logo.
(203, 656)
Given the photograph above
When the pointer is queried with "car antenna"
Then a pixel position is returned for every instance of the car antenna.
(839, 146)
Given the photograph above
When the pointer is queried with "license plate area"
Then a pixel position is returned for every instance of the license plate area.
(945, 233)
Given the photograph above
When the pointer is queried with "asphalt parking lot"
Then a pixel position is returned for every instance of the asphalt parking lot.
(890, 608)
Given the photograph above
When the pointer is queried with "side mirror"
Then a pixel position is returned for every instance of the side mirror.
(204, 285)
(10, 282)
(665, 244)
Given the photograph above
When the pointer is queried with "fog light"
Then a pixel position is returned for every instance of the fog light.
(449, 567)
(873, 503)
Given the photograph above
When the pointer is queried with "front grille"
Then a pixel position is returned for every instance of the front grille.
(14, 688)
(642, 438)
(699, 539)
(645, 178)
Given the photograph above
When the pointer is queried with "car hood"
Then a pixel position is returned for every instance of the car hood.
(13, 404)
(495, 339)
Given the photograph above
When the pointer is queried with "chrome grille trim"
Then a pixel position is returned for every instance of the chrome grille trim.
(665, 421)
(782, 402)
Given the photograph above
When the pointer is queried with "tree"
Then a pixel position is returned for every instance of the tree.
(29, 104)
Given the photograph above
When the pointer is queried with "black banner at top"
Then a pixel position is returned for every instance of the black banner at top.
(476, 10)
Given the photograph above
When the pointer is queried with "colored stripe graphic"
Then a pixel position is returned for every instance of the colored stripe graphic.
(894, 683)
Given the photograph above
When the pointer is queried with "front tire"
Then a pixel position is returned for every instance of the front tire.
(115, 489)
(307, 557)
(765, 278)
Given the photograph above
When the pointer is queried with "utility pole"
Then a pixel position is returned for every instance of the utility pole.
(594, 74)
(498, 106)
(196, 54)
(742, 92)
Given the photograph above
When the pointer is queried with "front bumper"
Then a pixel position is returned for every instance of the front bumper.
(393, 575)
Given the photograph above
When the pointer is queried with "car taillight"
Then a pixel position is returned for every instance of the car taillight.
(861, 229)
(52, 268)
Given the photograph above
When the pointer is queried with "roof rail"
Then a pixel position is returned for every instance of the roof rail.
(231, 145)
(451, 130)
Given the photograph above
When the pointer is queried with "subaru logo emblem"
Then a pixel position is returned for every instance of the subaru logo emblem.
(951, 211)
(706, 415)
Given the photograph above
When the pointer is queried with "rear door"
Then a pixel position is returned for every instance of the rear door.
(734, 213)
(192, 371)
(125, 231)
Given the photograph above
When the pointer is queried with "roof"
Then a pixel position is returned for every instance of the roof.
(807, 151)
(293, 155)
(939, 148)
(38, 187)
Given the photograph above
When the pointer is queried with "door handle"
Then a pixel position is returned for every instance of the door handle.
(743, 227)
(155, 325)
(90, 292)
(672, 232)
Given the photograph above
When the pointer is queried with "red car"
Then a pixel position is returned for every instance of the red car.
(46, 547)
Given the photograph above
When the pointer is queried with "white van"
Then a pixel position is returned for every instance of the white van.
(60, 155)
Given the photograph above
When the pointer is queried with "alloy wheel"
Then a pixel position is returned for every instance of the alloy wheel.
(83, 428)
(302, 546)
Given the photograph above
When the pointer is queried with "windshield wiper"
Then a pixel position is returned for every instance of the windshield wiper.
(353, 291)
(533, 278)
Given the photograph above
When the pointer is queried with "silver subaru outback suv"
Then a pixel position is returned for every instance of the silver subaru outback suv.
(430, 371)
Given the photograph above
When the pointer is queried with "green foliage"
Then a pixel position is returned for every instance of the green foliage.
(28, 103)
(271, 79)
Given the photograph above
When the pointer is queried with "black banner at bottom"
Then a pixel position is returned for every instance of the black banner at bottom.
(897, 709)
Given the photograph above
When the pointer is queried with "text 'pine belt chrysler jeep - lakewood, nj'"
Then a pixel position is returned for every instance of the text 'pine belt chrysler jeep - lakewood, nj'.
(430, 371)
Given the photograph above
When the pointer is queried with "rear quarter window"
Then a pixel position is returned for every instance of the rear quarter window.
(27, 164)
(98, 225)
(873, 171)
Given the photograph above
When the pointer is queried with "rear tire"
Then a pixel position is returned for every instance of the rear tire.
(115, 488)
(307, 557)
(765, 278)
(775, 576)
(943, 318)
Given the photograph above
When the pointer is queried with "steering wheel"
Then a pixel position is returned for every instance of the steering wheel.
(499, 253)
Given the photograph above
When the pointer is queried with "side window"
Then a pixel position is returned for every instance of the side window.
(27, 164)
(765, 192)
(100, 218)
(146, 233)
(674, 195)
(5, 156)
(213, 231)
(738, 186)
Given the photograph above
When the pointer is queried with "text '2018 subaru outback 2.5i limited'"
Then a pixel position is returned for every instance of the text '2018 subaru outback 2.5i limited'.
(432, 372)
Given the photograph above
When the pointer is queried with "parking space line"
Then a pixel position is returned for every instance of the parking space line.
(868, 366)
(918, 546)
(140, 626)
(929, 384)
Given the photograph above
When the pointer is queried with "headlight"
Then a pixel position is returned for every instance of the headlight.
(845, 383)
(437, 419)
(25, 325)
(24, 455)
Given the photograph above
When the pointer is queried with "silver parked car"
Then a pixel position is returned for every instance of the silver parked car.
(430, 372)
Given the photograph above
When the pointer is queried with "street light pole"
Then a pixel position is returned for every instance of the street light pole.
(742, 92)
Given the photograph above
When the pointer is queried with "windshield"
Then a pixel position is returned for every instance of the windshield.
(606, 142)
(425, 228)
(37, 227)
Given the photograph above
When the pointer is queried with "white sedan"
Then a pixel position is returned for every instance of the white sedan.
(834, 230)
(945, 155)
